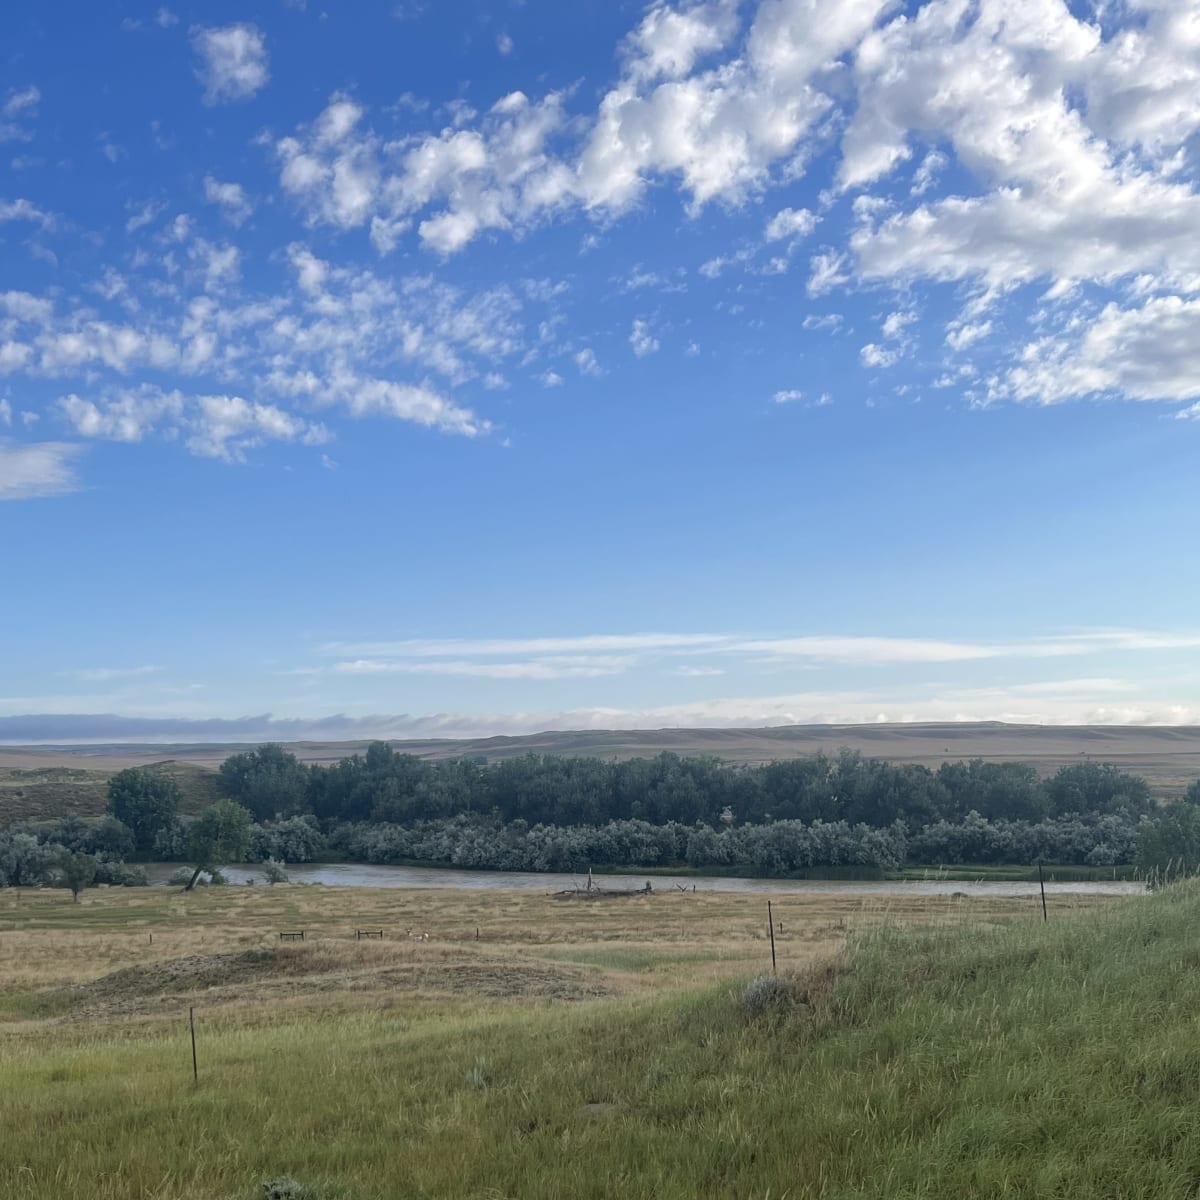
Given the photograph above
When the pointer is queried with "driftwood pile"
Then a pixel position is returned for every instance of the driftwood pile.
(593, 891)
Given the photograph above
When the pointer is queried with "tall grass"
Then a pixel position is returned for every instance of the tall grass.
(1026, 1060)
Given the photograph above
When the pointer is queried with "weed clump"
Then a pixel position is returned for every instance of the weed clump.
(480, 1075)
(766, 995)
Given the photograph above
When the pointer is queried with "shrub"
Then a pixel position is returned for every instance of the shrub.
(767, 994)
(274, 871)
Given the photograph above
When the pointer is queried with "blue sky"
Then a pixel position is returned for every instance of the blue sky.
(412, 368)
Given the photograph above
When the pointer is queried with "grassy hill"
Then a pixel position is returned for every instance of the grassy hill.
(942, 1055)
(38, 793)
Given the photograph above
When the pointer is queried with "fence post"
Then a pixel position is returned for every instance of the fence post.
(771, 927)
(192, 1026)
(1042, 885)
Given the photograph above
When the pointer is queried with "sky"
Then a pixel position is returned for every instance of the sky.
(459, 368)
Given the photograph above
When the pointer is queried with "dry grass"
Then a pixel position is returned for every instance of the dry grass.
(662, 942)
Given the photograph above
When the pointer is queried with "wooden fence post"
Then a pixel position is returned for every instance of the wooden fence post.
(192, 1025)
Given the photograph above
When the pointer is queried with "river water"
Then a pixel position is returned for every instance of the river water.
(366, 875)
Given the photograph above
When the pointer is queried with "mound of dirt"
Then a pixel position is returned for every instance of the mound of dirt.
(274, 973)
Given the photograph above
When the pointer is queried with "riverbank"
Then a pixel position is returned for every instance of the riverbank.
(387, 876)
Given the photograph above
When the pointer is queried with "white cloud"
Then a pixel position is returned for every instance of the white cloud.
(873, 355)
(547, 668)
(815, 650)
(641, 339)
(230, 198)
(5, 412)
(226, 427)
(961, 334)
(925, 175)
(25, 210)
(1068, 189)
(827, 271)
(128, 416)
(20, 105)
(1146, 353)
(504, 44)
(498, 176)
(719, 131)
(830, 321)
(789, 223)
(223, 427)
(233, 62)
(790, 396)
(33, 469)
(895, 323)
(585, 360)
(600, 643)
(551, 379)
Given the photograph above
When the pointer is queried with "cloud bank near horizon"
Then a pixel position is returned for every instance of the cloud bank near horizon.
(1068, 703)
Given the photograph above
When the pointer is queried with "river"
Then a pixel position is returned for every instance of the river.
(367, 875)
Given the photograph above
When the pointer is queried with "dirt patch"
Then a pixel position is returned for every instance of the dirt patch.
(264, 974)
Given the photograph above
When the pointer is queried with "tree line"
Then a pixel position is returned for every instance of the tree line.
(544, 813)
(383, 785)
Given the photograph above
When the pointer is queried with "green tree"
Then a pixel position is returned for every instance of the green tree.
(218, 836)
(268, 780)
(1170, 845)
(78, 873)
(1192, 795)
(144, 801)
(1097, 788)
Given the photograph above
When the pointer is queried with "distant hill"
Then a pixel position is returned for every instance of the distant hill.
(53, 780)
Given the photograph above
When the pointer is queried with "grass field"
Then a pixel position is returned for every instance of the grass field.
(533, 1047)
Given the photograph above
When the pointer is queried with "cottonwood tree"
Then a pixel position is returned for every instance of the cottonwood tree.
(144, 801)
(268, 780)
(217, 837)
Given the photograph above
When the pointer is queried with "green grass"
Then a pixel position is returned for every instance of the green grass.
(1016, 873)
(1022, 1060)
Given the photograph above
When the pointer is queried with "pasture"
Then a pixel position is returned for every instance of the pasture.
(535, 1047)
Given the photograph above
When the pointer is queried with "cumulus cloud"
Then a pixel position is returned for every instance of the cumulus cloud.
(231, 198)
(789, 223)
(641, 339)
(1144, 353)
(223, 427)
(873, 355)
(586, 361)
(1063, 192)
(232, 62)
(497, 176)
